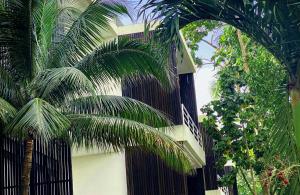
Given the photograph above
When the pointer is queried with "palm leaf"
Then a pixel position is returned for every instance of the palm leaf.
(117, 133)
(105, 105)
(85, 34)
(14, 38)
(8, 88)
(57, 82)
(39, 119)
(7, 111)
(124, 58)
(45, 16)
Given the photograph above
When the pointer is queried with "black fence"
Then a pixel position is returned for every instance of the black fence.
(148, 175)
(51, 168)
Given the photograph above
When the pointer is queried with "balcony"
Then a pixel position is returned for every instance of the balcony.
(189, 135)
(219, 191)
(189, 122)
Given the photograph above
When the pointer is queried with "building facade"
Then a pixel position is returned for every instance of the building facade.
(135, 172)
(59, 170)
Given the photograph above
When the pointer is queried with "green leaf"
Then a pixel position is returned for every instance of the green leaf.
(124, 58)
(7, 111)
(117, 133)
(86, 32)
(296, 122)
(39, 119)
(14, 38)
(59, 81)
(8, 88)
(45, 17)
(106, 105)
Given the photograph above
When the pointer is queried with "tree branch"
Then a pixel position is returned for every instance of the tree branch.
(210, 44)
(243, 47)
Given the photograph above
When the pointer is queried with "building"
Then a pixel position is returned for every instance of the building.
(134, 172)
(58, 170)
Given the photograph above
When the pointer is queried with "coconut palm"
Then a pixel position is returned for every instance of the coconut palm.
(55, 71)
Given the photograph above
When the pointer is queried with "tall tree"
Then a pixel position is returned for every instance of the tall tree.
(248, 105)
(55, 71)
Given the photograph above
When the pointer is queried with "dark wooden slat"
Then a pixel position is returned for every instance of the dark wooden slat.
(48, 172)
(196, 183)
(210, 169)
(188, 95)
(152, 93)
(148, 175)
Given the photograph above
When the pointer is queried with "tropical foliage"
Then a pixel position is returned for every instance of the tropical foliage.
(56, 69)
(246, 112)
(274, 25)
(195, 32)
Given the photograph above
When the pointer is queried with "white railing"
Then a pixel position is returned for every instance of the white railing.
(188, 121)
(225, 190)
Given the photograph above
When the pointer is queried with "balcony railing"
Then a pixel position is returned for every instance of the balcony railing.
(188, 121)
(225, 190)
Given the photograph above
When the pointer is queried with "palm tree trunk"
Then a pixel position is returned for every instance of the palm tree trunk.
(27, 166)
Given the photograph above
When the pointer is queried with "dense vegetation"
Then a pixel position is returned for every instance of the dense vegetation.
(251, 100)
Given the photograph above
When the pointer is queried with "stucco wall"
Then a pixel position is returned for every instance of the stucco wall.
(214, 192)
(100, 174)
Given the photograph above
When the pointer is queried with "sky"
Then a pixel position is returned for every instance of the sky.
(205, 76)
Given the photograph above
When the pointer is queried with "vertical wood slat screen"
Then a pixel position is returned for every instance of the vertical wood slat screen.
(152, 93)
(210, 170)
(148, 175)
(196, 183)
(188, 95)
(51, 169)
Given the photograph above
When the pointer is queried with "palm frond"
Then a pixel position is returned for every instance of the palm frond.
(124, 58)
(117, 133)
(86, 32)
(14, 38)
(117, 106)
(283, 143)
(59, 81)
(45, 18)
(8, 88)
(40, 119)
(7, 111)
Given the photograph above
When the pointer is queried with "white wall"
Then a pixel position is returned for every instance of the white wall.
(100, 174)
(183, 134)
(214, 192)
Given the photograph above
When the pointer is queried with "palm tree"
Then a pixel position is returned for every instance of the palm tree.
(55, 71)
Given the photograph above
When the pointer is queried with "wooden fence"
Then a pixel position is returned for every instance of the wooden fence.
(51, 169)
(148, 175)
